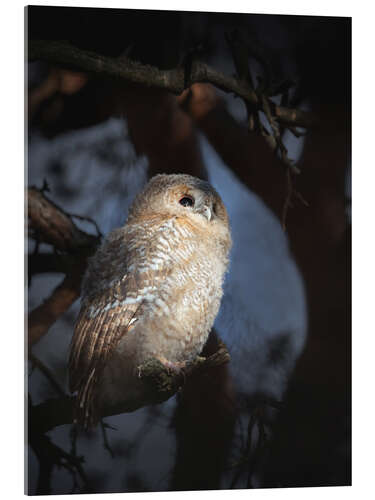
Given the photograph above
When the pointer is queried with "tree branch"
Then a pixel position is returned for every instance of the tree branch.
(40, 263)
(45, 315)
(50, 224)
(172, 80)
(37, 363)
(54, 226)
(51, 456)
(161, 382)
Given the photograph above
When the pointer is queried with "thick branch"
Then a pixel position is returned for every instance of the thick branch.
(45, 315)
(173, 80)
(40, 263)
(52, 225)
(162, 382)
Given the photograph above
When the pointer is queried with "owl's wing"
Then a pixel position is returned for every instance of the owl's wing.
(99, 327)
(105, 317)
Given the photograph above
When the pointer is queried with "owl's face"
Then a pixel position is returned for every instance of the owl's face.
(182, 196)
(195, 199)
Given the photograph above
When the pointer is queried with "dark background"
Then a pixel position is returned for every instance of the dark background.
(94, 165)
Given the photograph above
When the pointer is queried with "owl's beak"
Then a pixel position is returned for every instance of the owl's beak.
(207, 212)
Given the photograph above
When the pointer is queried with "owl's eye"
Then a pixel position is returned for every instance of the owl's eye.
(187, 201)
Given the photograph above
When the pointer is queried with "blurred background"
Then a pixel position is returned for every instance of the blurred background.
(279, 415)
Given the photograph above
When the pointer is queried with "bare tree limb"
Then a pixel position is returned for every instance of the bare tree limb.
(177, 80)
(40, 263)
(54, 226)
(162, 382)
(172, 80)
(45, 315)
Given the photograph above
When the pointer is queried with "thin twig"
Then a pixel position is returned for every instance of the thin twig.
(288, 198)
(88, 219)
(104, 426)
(50, 456)
(47, 373)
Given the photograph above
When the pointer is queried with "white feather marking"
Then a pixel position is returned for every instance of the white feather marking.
(130, 300)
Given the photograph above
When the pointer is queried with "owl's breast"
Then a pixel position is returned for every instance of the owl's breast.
(181, 315)
(177, 276)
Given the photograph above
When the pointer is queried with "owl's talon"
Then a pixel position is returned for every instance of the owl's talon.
(171, 366)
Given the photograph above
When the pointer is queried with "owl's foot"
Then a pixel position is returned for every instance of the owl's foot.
(173, 367)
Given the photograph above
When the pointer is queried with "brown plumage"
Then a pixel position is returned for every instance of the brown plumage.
(152, 290)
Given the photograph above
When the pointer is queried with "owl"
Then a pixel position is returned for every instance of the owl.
(152, 290)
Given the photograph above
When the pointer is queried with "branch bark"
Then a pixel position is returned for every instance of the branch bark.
(54, 226)
(173, 80)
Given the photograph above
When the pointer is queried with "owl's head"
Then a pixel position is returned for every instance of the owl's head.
(181, 195)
